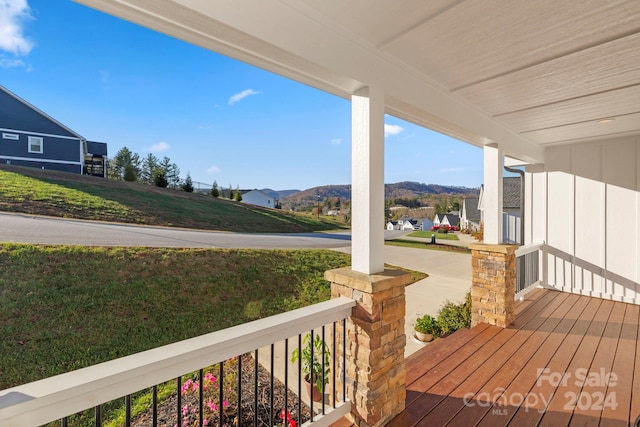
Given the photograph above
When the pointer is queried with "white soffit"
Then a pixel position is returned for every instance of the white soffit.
(522, 73)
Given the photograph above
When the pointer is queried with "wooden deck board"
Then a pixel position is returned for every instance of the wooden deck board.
(564, 334)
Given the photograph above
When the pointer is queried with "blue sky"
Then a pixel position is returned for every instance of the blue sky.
(217, 118)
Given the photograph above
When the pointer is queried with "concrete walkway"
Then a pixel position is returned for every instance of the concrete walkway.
(449, 279)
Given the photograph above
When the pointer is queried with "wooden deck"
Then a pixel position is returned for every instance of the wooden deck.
(568, 360)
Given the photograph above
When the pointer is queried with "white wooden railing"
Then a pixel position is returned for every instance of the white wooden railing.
(528, 268)
(57, 397)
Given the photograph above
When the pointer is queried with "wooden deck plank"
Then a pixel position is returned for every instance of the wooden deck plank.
(523, 385)
(535, 333)
(415, 391)
(432, 354)
(623, 367)
(558, 363)
(591, 399)
(468, 388)
(558, 412)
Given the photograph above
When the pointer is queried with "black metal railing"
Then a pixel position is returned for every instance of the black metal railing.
(210, 386)
(203, 398)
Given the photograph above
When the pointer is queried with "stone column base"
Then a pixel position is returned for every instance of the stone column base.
(493, 286)
(375, 370)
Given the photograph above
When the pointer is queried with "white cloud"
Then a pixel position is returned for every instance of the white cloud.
(336, 141)
(13, 14)
(239, 96)
(390, 130)
(213, 169)
(161, 146)
(11, 63)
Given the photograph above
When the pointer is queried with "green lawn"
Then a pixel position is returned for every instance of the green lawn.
(34, 191)
(427, 245)
(428, 234)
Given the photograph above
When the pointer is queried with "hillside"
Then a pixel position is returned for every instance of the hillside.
(423, 194)
(44, 192)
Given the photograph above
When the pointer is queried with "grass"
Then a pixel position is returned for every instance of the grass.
(67, 307)
(33, 191)
(428, 234)
(425, 245)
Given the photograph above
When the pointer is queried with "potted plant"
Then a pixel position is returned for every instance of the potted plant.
(312, 369)
(427, 328)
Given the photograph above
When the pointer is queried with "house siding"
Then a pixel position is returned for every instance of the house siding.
(55, 149)
(590, 196)
(62, 167)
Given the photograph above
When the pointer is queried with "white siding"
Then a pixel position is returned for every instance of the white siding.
(591, 220)
(258, 198)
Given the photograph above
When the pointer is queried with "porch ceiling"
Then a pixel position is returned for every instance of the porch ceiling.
(525, 74)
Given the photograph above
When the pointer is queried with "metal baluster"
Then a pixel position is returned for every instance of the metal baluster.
(239, 391)
(155, 405)
(312, 380)
(127, 410)
(179, 400)
(221, 391)
(255, 389)
(323, 368)
(344, 360)
(201, 397)
(64, 422)
(271, 397)
(333, 388)
(98, 416)
(286, 380)
(300, 379)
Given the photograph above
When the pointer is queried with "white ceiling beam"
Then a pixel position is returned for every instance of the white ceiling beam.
(293, 40)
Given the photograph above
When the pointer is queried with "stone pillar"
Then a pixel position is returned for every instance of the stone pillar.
(493, 286)
(375, 370)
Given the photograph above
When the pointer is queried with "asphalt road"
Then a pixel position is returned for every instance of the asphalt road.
(19, 228)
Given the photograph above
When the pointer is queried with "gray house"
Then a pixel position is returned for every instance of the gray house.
(30, 137)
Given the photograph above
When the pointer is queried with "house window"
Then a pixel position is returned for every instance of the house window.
(35, 144)
(10, 136)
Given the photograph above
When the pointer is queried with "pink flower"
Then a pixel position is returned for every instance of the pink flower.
(212, 406)
(185, 410)
(225, 403)
(292, 423)
(205, 422)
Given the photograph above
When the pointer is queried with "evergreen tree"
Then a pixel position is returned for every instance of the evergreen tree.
(215, 192)
(237, 197)
(230, 195)
(187, 185)
(123, 158)
(130, 173)
(159, 177)
(149, 165)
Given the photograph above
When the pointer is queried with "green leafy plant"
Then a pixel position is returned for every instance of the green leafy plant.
(312, 368)
(428, 324)
(455, 316)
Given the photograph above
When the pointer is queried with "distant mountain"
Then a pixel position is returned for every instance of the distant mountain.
(279, 194)
(400, 190)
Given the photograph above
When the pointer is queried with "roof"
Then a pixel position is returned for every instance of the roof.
(453, 219)
(19, 115)
(534, 74)
(511, 192)
(97, 148)
(470, 206)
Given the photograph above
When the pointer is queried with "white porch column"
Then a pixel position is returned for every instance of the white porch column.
(492, 197)
(367, 181)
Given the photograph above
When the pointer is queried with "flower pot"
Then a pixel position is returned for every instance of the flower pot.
(423, 337)
(314, 392)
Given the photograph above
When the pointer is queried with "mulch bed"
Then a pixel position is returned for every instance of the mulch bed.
(189, 413)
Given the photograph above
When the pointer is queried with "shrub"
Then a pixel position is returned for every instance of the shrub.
(452, 317)
(428, 325)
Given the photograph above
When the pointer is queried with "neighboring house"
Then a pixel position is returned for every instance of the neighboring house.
(450, 219)
(392, 225)
(258, 198)
(30, 137)
(407, 223)
(426, 225)
(470, 215)
(511, 195)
